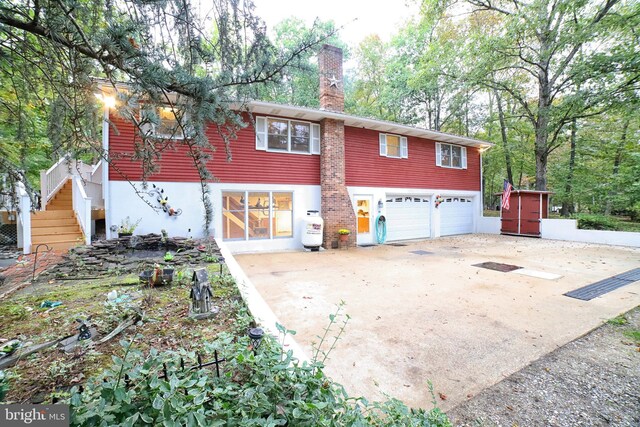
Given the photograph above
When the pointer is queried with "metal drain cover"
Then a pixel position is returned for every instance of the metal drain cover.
(421, 252)
(505, 268)
(605, 286)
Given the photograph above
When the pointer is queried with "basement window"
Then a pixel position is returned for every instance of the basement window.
(287, 136)
(253, 215)
(393, 146)
(451, 156)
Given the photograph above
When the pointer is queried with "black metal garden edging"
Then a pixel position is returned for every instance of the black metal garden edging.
(35, 259)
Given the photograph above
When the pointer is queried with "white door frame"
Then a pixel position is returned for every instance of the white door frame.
(364, 238)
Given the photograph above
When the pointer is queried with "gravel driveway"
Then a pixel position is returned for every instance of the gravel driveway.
(592, 381)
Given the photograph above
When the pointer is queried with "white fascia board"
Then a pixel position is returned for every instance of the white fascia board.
(311, 114)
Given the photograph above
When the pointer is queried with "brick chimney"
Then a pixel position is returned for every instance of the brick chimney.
(331, 84)
(337, 210)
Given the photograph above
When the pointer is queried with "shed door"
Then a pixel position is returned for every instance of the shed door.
(408, 217)
(530, 214)
(456, 216)
(511, 218)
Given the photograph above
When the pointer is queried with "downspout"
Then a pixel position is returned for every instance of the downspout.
(105, 171)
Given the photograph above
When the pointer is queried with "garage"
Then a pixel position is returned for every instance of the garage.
(456, 216)
(408, 217)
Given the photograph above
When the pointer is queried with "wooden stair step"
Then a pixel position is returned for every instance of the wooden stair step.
(59, 206)
(54, 238)
(56, 222)
(55, 214)
(58, 229)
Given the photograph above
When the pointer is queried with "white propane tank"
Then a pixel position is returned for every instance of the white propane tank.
(312, 230)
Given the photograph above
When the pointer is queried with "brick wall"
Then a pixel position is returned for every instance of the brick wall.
(337, 210)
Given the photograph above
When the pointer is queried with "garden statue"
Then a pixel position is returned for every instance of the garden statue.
(201, 294)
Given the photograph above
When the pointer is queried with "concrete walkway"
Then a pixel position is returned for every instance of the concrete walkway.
(436, 317)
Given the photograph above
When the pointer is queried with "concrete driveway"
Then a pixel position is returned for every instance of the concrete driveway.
(420, 317)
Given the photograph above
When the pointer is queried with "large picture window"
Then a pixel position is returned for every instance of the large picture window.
(451, 156)
(289, 136)
(249, 215)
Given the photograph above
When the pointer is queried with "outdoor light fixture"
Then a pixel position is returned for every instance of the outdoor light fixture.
(109, 101)
(221, 261)
(380, 204)
(255, 335)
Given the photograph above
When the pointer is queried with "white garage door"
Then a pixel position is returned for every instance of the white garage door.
(456, 216)
(407, 217)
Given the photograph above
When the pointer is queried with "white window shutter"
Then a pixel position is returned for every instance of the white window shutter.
(463, 154)
(315, 139)
(261, 133)
(404, 148)
(383, 145)
(438, 155)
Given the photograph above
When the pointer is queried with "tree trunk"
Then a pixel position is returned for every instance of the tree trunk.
(542, 132)
(503, 134)
(616, 165)
(567, 203)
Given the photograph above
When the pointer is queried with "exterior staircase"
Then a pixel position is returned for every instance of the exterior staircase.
(57, 226)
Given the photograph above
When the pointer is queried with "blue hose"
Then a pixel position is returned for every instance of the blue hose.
(381, 229)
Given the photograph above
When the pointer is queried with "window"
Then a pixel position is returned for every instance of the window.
(248, 215)
(451, 156)
(289, 136)
(393, 146)
(163, 122)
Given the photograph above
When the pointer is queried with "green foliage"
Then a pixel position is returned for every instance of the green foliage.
(298, 84)
(13, 311)
(168, 257)
(4, 384)
(127, 226)
(202, 61)
(618, 320)
(633, 334)
(267, 388)
(596, 222)
(634, 212)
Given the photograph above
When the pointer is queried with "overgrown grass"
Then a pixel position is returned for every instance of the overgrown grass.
(633, 334)
(618, 321)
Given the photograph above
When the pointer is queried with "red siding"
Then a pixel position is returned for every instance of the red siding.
(365, 167)
(248, 165)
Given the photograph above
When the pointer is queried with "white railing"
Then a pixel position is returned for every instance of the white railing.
(54, 178)
(94, 192)
(96, 173)
(84, 170)
(24, 219)
(82, 207)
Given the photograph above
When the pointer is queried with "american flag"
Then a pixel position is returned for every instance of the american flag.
(506, 194)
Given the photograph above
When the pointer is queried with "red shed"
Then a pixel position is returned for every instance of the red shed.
(525, 213)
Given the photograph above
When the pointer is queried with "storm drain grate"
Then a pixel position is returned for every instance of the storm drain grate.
(602, 287)
(421, 252)
(397, 244)
(366, 245)
(632, 275)
(504, 268)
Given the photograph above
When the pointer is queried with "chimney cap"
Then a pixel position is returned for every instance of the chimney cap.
(331, 47)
